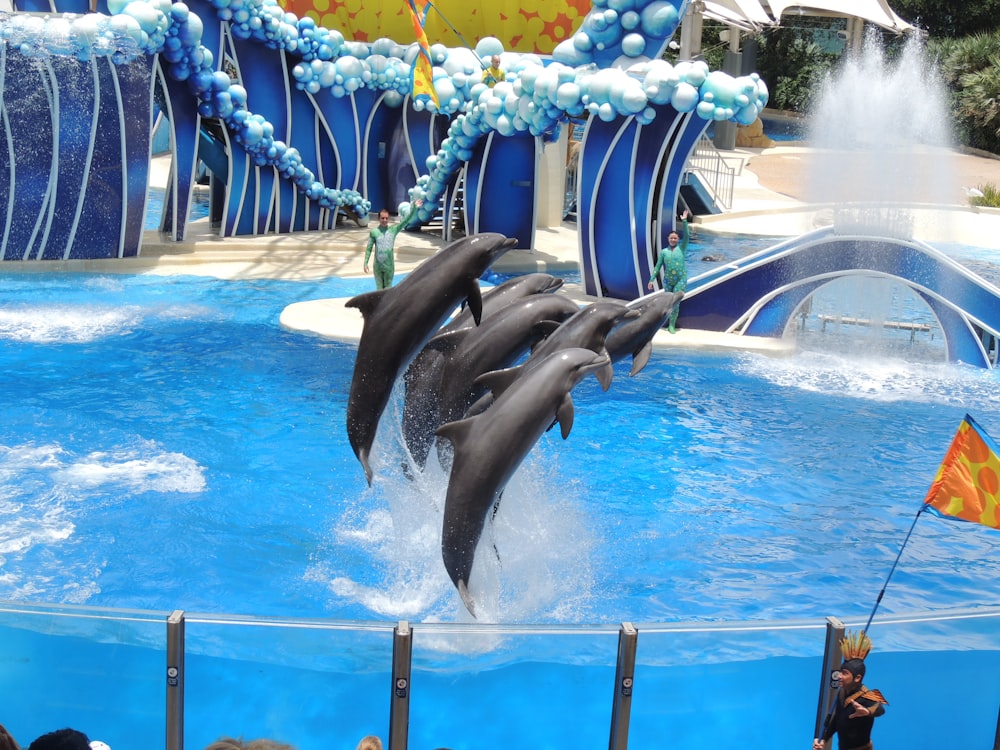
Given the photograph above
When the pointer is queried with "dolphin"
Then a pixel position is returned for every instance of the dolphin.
(489, 447)
(420, 403)
(496, 344)
(399, 320)
(635, 336)
(587, 329)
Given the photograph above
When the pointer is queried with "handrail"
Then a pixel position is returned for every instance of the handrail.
(717, 175)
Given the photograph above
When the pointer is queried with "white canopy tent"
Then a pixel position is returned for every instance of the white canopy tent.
(751, 15)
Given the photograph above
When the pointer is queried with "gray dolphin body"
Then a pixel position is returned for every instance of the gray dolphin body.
(399, 321)
(423, 376)
(635, 336)
(489, 447)
(495, 345)
(587, 329)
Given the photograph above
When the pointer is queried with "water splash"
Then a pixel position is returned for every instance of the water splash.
(882, 141)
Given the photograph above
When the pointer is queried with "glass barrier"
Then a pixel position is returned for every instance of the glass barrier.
(308, 683)
(317, 684)
(481, 686)
(67, 666)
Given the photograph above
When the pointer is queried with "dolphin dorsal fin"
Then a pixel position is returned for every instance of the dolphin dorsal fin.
(498, 381)
(368, 302)
(448, 341)
(455, 431)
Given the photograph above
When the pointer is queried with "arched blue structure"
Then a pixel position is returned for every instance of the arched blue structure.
(758, 295)
(630, 177)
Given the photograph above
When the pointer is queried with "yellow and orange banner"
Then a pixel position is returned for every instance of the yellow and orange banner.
(423, 70)
(520, 25)
(967, 484)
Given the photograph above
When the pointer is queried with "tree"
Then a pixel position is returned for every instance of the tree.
(955, 18)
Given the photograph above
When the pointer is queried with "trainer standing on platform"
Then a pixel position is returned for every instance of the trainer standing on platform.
(383, 240)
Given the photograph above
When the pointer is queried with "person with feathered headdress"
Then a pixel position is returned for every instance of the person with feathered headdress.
(856, 705)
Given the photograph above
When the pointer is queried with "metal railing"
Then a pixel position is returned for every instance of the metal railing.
(718, 177)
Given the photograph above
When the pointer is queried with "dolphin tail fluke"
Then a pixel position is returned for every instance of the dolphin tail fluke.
(463, 591)
(363, 457)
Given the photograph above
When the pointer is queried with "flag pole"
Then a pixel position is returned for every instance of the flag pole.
(885, 585)
(457, 32)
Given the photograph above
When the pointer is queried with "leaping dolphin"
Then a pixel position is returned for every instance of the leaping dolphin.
(497, 344)
(399, 320)
(489, 448)
(635, 336)
(422, 377)
(588, 329)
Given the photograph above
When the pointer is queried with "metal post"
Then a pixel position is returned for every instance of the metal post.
(830, 677)
(175, 680)
(399, 711)
(621, 709)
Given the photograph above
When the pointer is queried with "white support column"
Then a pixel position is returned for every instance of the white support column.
(691, 31)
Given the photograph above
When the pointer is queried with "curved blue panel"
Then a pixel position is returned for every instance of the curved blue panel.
(611, 220)
(6, 157)
(34, 6)
(505, 187)
(691, 129)
(303, 132)
(399, 171)
(717, 301)
(136, 84)
(597, 140)
(182, 114)
(104, 204)
(75, 90)
(773, 316)
(32, 133)
(269, 97)
(378, 131)
(340, 157)
(961, 342)
(653, 146)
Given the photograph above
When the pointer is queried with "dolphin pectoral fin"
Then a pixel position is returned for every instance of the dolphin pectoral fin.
(604, 374)
(564, 415)
(474, 299)
(463, 591)
(641, 358)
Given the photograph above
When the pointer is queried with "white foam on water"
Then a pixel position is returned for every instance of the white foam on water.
(532, 561)
(67, 324)
(46, 489)
(873, 377)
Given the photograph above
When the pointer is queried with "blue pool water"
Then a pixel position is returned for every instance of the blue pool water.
(163, 438)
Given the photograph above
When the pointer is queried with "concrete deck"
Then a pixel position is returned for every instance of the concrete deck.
(767, 201)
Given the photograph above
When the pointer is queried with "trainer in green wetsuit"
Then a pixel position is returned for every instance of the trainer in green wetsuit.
(383, 239)
(673, 261)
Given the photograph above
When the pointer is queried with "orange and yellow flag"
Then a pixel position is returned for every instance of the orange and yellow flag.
(423, 74)
(967, 484)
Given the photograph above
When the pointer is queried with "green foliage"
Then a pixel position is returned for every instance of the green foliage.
(990, 196)
(971, 70)
(954, 18)
(793, 66)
